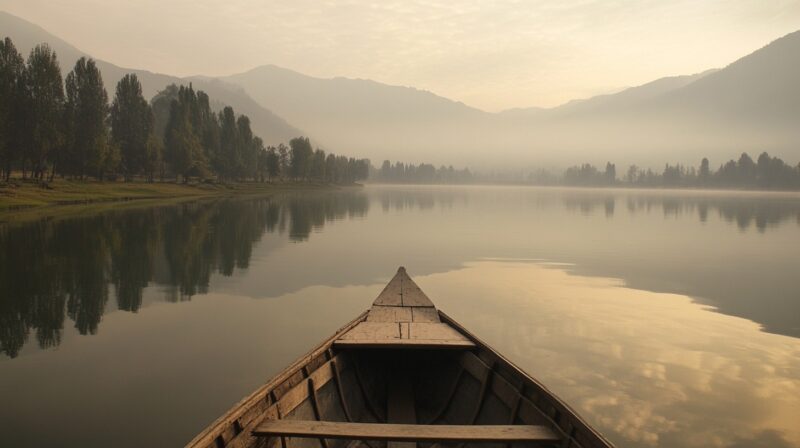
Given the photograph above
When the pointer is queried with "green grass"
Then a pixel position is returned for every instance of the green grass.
(26, 197)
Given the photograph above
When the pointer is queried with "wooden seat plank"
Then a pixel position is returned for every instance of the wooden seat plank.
(404, 343)
(405, 432)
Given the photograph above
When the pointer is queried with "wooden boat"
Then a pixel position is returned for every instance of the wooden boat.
(400, 374)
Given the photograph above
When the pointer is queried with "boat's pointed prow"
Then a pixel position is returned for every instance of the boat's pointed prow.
(403, 316)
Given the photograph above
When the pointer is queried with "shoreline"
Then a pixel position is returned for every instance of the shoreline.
(26, 199)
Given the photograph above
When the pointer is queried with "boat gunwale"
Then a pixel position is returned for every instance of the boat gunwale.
(217, 427)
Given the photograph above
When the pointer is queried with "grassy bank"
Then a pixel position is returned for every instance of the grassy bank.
(18, 196)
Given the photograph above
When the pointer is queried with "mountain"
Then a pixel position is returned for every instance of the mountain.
(626, 98)
(363, 116)
(750, 105)
(269, 126)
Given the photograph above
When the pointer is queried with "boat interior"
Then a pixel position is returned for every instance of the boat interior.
(390, 380)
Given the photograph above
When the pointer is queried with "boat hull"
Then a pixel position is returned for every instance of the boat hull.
(339, 383)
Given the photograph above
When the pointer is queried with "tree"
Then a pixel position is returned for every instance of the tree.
(161, 105)
(273, 163)
(12, 96)
(247, 148)
(283, 159)
(131, 126)
(331, 174)
(611, 173)
(206, 126)
(44, 92)
(704, 172)
(154, 158)
(87, 117)
(229, 154)
(301, 153)
(318, 166)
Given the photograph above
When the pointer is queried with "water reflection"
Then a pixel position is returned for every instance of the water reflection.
(634, 326)
(648, 369)
(54, 267)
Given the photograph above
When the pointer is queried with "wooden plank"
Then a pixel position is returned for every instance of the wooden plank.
(404, 330)
(412, 295)
(404, 343)
(391, 294)
(379, 313)
(372, 331)
(299, 393)
(434, 331)
(424, 314)
(405, 432)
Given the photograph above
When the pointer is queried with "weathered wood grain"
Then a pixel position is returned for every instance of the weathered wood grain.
(406, 432)
(391, 294)
(424, 314)
(379, 313)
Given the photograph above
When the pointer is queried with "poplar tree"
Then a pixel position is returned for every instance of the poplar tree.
(132, 127)
(301, 153)
(229, 157)
(90, 150)
(44, 101)
(12, 95)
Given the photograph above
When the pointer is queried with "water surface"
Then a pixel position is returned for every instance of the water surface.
(665, 318)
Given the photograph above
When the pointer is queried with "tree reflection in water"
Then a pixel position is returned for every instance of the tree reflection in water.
(54, 267)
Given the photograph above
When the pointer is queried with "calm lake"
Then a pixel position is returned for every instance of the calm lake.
(664, 318)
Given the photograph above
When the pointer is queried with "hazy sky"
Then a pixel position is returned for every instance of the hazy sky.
(488, 54)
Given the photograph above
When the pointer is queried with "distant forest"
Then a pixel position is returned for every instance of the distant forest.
(767, 173)
(423, 173)
(51, 126)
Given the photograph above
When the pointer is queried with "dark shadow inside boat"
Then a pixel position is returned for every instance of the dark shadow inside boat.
(422, 387)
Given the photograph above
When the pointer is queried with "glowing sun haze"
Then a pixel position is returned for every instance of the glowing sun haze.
(491, 55)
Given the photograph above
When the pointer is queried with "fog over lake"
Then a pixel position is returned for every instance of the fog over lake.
(665, 318)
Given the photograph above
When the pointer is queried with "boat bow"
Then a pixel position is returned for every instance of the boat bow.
(403, 317)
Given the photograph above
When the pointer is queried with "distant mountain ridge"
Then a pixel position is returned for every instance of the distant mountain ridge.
(753, 104)
(271, 127)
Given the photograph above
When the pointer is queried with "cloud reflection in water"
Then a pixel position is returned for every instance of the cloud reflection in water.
(649, 369)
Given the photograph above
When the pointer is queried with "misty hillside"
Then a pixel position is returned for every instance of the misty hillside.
(360, 115)
(763, 86)
(272, 128)
(750, 105)
(625, 99)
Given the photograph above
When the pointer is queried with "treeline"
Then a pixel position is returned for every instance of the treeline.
(50, 126)
(423, 173)
(767, 172)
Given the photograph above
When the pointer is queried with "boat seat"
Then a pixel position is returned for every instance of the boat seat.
(405, 432)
